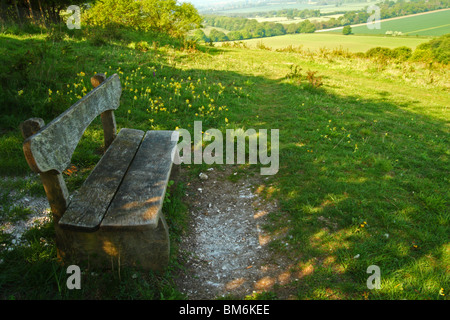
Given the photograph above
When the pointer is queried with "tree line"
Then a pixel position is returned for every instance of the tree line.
(243, 28)
(34, 11)
(288, 13)
(166, 16)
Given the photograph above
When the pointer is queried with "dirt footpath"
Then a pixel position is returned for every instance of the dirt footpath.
(226, 251)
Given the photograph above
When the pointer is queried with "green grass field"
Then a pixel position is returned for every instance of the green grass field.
(364, 158)
(431, 24)
(316, 41)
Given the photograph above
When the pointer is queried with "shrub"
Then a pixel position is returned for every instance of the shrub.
(379, 52)
(441, 48)
(294, 73)
(313, 80)
(434, 50)
(262, 46)
(142, 46)
(422, 55)
(402, 53)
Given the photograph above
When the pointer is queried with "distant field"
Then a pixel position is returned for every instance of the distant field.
(353, 43)
(284, 20)
(207, 30)
(430, 24)
(277, 6)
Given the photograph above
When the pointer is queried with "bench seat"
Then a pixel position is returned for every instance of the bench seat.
(90, 202)
(116, 213)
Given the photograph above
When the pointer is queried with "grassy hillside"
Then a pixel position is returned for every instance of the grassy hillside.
(363, 157)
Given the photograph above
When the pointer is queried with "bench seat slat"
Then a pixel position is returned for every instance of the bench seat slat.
(89, 204)
(139, 199)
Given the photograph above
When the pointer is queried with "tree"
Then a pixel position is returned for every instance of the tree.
(199, 35)
(216, 35)
(108, 13)
(235, 35)
(306, 27)
(292, 28)
(347, 30)
(158, 15)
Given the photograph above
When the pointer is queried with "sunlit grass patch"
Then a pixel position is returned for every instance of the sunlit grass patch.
(362, 158)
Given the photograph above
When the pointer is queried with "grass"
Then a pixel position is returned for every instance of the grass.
(207, 30)
(316, 41)
(363, 159)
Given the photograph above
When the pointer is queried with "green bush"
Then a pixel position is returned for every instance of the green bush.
(435, 50)
(423, 55)
(441, 48)
(142, 46)
(402, 53)
(379, 52)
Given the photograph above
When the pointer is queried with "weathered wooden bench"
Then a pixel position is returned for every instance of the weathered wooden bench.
(115, 218)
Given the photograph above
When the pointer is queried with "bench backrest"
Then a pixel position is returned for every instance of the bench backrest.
(52, 147)
(49, 148)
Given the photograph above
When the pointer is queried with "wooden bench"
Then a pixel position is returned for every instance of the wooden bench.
(115, 218)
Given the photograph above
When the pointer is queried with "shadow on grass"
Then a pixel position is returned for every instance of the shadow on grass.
(360, 183)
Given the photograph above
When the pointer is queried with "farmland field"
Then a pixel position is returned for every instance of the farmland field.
(355, 43)
(208, 29)
(277, 6)
(285, 20)
(430, 24)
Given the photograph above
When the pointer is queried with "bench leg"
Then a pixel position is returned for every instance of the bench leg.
(144, 248)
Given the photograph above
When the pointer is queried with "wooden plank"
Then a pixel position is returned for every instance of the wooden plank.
(54, 185)
(108, 119)
(57, 193)
(140, 198)
(109, 127)
(52, 147)
(90, 202)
